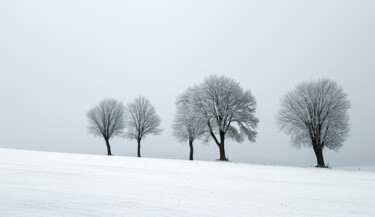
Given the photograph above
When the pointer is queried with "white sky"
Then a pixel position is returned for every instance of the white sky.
(60, 58)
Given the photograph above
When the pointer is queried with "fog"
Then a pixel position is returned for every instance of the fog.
(60, 58)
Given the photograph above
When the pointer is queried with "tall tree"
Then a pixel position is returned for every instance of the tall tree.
(188, 125)
(141, 120)
(315, 114)
(106, 120)
(228, 110)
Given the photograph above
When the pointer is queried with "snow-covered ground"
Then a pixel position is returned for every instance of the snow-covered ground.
(57, 184)
(369, 168)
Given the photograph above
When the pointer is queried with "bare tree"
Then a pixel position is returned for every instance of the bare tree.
(141, 120)
(228, 110)
(315, 114)
(188, 125)
(106, 120)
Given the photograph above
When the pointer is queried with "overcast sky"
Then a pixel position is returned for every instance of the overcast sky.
(60, 58)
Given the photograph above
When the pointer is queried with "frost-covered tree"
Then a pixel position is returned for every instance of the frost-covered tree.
(141, 120)
(188, 125)
(106, 120)
(315, 114)
(227, 109)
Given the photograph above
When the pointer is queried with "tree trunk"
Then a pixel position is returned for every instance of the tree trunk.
(319, 156)
(139, 147)
(108, 147)
(221, 147)
(191, 150)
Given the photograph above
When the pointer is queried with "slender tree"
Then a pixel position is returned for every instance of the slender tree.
(228, 110)
(188, 125)
(106, 120)
(141, 120)
(315, 114)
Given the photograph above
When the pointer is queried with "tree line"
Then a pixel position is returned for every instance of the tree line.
(314, 114)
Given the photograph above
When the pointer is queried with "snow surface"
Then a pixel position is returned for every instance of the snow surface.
(57, 184)
(369, 168)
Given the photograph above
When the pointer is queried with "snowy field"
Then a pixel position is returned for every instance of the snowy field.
(56, 184)
(358, 168)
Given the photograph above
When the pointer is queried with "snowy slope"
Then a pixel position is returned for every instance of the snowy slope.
(56, 184)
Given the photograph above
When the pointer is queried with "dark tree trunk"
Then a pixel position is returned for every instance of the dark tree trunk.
(139, 147)
(221, 147)
(108, 147)
(191, 150)
(222, 153)
(319, 156)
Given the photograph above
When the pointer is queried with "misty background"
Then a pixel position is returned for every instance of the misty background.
(58, 59)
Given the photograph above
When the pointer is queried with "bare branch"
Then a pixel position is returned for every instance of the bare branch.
(227, 108)
(141, 119)
(188, 125)
(315, 114)
(106, 120)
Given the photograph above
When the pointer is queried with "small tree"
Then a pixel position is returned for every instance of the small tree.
(227, 109)
(141, 120)
(106, 120)
(188, 125)
(315, 114)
